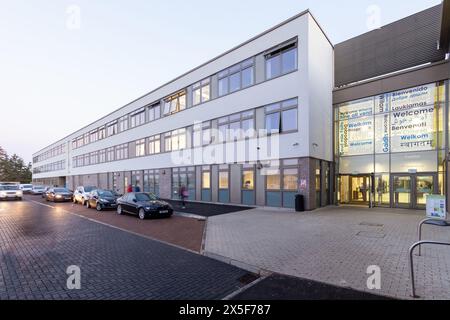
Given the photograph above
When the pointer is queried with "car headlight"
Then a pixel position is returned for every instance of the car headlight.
(2, 194)
(103, 201)
(148, 208)
(19, 193)
(59, 196)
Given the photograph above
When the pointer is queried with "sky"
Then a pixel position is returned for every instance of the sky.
(64, 64)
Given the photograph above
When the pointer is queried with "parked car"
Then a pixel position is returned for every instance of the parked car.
(144, 205)
(8, 192)
(81, 194)
(44, 193)
(37, 190)
(59, 195)
(26, 188)
(102, 199)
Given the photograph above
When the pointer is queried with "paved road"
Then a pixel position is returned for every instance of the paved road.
(38, 243)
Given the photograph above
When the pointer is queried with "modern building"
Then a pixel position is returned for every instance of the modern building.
(362, 122)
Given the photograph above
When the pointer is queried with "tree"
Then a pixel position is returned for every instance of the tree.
(14, 168)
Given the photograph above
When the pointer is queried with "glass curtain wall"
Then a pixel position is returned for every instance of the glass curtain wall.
(394, 141)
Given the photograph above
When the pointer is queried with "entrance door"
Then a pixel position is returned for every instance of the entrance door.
(355, 189)
(411, 190)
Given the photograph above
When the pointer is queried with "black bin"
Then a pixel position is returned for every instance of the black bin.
(299, 203)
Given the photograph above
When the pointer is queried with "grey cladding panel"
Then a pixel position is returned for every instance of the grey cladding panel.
(403, 44)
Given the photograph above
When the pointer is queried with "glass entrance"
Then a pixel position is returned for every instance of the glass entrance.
(355, 190)
(402, 191)
(411, 191)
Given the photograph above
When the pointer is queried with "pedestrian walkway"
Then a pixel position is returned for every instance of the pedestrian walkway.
(336, 245)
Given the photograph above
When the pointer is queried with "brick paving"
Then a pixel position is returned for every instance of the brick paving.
(335, 246)
(38, 243)
(180, 231)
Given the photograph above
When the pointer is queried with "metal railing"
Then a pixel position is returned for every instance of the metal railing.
(419, 229)
(419, 244)
(411, 261)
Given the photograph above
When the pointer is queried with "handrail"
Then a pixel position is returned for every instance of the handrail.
(419, 229)
(411, 261)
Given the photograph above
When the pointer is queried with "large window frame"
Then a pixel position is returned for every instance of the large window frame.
(232, 79)
(201, 92)
(280, 111)
(277, 57)
(173, 140)
(237, 121)
(137, 118)
(175, 103)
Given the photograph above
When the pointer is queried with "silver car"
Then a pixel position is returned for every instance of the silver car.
(8, 192)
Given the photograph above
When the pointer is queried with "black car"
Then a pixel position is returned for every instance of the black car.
(58, 195)
(102, 199)
(144, 205)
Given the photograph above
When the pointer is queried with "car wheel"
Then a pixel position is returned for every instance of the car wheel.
(119, 210)
(88, 205)
(142, 214)
(98, 207)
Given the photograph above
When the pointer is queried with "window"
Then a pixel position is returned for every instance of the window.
(175, 103)
(202, 134)
(154, 112)
(101, 133)
(290, 177)
(110, 154)
(123, 123)
(74, 146)
(237, 126)
(138, 118)
(248, 180)
(206, 178)
(223, 180)
(112, 128)
(273, 179)
(94, 158)
(236, 77)
(175, 140)
(282, 117)
(140, 148)
(86, 139)
(122, 152)
(102, 156)
(151, 181)
(281, 60)
(154, 144)
(94, 136)
(201, 92)
(80, 142)
(87, 159)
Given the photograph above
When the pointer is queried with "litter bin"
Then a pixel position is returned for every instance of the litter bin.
(299, 203)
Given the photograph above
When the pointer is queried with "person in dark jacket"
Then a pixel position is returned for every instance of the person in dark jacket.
(184, 194)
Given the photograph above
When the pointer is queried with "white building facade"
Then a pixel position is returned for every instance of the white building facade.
(253, 126)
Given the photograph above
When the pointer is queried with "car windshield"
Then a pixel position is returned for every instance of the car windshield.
(38, 187)
(89, 189)
(104, 193)
(9, 188)
(145, 197)
(61, 190)
(27, 186)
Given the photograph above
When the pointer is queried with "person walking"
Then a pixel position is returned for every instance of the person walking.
(137, 189)
(184, 194)
(130, 188)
